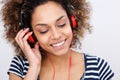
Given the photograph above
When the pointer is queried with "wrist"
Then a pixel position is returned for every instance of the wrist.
(34, 63)
(33, 72)
(35, 68)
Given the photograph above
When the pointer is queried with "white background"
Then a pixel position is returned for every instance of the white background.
(103, 42)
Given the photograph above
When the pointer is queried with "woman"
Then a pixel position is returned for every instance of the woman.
(44, 33)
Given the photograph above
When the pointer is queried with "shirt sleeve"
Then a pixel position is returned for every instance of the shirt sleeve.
(16, 66)
(105, 71)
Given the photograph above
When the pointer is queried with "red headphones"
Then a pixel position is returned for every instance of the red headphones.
(74, 22)
(32, 40)
(74, 25)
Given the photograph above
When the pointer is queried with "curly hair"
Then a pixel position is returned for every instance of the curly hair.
(11, 16)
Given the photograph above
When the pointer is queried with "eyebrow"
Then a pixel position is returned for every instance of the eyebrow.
(46, 24)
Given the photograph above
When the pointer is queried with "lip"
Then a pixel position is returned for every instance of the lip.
(59, 45)
(57, 42)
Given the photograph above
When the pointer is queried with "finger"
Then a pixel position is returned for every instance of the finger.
(37, 46)
(37, 51)
(21, 35)
(16, 38)
(19, 32)
(24, 40)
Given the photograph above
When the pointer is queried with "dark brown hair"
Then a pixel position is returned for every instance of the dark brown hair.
(11, 16)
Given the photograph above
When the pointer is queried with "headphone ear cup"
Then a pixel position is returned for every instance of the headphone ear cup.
(74, 22)
(32, 40)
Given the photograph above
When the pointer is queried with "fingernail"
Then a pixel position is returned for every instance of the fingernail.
(38, 44)
(26, 29)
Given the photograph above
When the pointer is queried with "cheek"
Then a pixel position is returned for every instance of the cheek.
(68, 32)
(42, 39)
(44, 42)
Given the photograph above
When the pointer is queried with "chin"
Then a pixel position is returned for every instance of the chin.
(61, 52)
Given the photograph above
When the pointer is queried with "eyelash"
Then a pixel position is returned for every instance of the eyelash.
(43, 32)
(62, 25)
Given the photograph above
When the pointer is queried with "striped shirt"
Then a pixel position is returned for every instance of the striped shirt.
(95, 68)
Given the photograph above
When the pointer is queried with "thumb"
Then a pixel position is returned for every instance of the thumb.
(37, 46)
(36, 49)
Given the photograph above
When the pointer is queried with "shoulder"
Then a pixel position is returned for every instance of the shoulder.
(19, 61)
(99, 66)
(19, 66)
(95, 59)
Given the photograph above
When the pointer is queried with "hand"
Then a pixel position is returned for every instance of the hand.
(33, 55)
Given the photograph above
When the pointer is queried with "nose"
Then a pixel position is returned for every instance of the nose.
(56, 34)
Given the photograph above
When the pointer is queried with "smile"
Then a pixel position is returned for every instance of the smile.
(58, 44)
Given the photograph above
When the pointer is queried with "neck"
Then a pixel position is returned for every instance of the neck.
(59, 60)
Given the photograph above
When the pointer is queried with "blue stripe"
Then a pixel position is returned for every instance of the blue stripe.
(101, 72)
(17, 72)
(18, 66)
(91, 79)
(92, 66)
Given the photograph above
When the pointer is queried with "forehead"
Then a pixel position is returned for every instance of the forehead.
(48, 11)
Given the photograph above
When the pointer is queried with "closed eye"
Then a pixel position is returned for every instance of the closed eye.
(62, 25)
(43, 32)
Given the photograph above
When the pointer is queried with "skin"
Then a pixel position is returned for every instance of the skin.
(51, 26)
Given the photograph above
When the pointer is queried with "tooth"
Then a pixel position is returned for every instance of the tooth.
(59, 44)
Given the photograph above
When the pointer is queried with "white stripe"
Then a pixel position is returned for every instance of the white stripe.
(92, 66)
(109, 75)
(14, 69)
(91, 76)
(26, 66)
(91, 57)
(102, 64)
(91, 71)
(92, 61)
(16, 73)
(105, 73)
(20, 61)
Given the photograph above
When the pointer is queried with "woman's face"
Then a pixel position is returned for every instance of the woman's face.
(52, 28)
